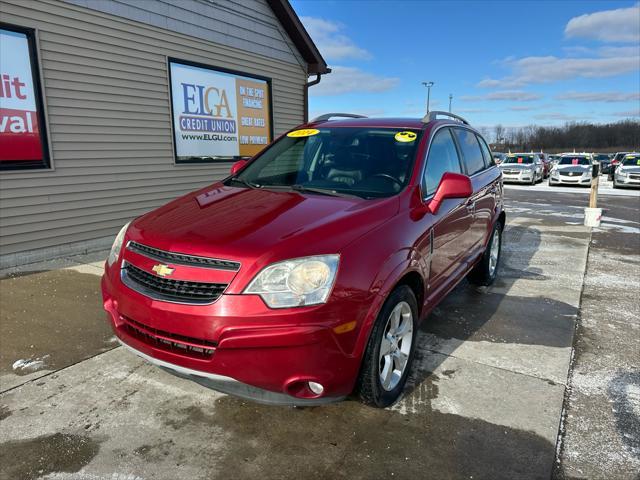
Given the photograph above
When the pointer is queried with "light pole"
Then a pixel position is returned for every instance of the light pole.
(450, 98)
(428, 85)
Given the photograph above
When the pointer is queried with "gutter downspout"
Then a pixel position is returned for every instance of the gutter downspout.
(306, 94)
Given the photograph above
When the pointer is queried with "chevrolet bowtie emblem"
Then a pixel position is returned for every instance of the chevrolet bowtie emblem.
(163, 270)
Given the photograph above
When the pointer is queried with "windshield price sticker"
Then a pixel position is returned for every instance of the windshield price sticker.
(405, 136)
(520, 160)
(574, 161)
(306, 132)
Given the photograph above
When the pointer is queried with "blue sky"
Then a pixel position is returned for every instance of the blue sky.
(509, 62)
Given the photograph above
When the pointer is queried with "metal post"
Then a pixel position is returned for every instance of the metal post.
(428, 85)
(593, 197)
(450, 98)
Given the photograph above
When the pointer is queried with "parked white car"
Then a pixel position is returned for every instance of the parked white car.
(572, 169)
(522, 168)
(627, 173)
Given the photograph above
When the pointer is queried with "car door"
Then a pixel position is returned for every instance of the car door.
(450, 226)
(482, 202)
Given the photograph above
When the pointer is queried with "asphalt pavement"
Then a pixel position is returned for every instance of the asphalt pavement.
(494, 393)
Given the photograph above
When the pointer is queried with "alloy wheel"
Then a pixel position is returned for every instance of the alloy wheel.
(395, 346)
(494, 252)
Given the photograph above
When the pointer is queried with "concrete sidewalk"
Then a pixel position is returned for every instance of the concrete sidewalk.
(484, 398)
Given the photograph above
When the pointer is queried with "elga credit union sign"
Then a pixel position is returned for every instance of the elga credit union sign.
(21, 128)
(218, 115)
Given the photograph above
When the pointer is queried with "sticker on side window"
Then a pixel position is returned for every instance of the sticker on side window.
(405, 137)
(305, 132)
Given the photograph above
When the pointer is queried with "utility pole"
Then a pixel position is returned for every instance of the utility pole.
(428, 85)
(450, 98)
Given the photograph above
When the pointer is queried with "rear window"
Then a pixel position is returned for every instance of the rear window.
(488, 158)
(471, 153)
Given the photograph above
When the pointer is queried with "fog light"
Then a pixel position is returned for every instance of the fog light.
(316, 388)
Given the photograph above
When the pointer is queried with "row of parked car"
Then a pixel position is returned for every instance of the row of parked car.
(622, 168)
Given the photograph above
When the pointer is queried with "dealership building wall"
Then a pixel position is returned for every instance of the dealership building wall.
(104, 77)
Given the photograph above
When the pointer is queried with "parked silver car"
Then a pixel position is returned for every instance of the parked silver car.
(522, 168)
(572, 169)
(627, 173)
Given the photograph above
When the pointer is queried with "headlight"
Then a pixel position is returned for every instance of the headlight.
(117, 245)
(554, 173)
(297, 282)
(586, 173)
(622, 174)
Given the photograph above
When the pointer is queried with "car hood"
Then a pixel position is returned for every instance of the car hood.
(256, 225)
(573, 168)
(629, 169)
(514, 166)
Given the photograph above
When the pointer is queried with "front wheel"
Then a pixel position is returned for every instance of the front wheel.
(389, 354)
(486, 270)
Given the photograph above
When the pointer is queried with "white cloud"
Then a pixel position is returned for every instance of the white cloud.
(549, 69)
(608, 97)
(521, 108)
(619, 25)
(628, 113)
(560, 116)
(349, 80)
(333, 44)
(508, 95)
(472, 110)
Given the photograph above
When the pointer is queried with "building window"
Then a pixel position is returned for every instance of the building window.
(218, 114)
(23, 138)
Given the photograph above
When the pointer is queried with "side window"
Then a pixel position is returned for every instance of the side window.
(471, 154)
(488, 158)
(443, 157)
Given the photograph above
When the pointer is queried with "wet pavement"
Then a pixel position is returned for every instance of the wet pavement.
(484, 399)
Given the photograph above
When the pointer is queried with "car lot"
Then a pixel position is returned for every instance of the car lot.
(485, 399)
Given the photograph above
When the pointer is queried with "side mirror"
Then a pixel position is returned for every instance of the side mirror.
(236, 167)
(452, 185)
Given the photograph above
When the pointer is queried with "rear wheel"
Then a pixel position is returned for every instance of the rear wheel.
(389, 354)
(485, 272)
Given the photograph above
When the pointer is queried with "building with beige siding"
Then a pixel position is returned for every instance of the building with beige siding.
(110, 108)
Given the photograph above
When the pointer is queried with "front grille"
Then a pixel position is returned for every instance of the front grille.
(170, 342)
(167, 289)
(511, 172)
(634, 176)
(182, 258)
(571, 174)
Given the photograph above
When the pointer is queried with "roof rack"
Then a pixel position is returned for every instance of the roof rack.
(329, 116)
(433, 115)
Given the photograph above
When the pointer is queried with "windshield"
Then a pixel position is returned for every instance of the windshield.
(519, 159)
(366, 162)
(631, 160)
(602, 157)
(574, 161)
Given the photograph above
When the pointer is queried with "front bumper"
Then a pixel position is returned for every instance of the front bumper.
(521, 177)
(239, 346)
(570, 180)
(627, 181)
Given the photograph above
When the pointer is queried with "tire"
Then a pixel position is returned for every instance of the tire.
(486, 270)
(533, 179)
(615, 185)
(370, 387)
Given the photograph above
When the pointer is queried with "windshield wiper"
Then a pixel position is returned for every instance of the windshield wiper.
(322, 191)
(246, 183)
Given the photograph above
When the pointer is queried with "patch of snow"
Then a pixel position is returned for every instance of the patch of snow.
(31, 364)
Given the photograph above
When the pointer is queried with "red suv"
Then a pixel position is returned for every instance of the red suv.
(303, 276)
